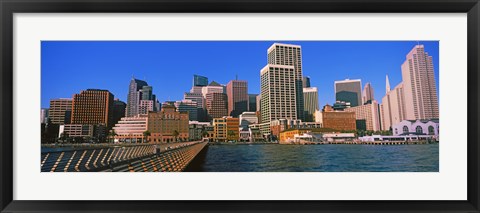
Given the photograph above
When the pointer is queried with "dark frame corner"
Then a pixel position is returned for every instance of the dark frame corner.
(9, 7)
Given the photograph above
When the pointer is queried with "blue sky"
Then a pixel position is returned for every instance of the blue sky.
(71, 66)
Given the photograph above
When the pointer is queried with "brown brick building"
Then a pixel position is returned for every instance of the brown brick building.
(93, 106)
(217, 104)
(338, 120)
(168, 125)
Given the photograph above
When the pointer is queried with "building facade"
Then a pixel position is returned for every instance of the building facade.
(248, 118)
(338, 120)
(216, 105)
(368, 95)
(417, 127)
(306, 81)
(310, 97)
(278, 93)
(237, 94)
(200, 81)
(44, 115)
(188, 106)
(349, 91)
(419, 85)
(290, 55)
(134, 96)
(93, 106)
(252, 102)
(367, 116)
(131, 129)
(168, 125)
(59, 108)
(119, 108)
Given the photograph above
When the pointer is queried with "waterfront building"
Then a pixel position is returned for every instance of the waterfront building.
(245, 134)
(131, 129)
(392, 138)
(188, 106)
(134, 96)
(219, 129)
(367, 116)
(349, 91)
(233, 130)
(200, 81)
(119, 108)
(278, 93)
(338, 120)
(420, 90)
(237, 94)
(368, 96)
(290, 55)
(216, 105)
(252, 103)
(417, 127)
(59, 110)
(338, 137)
(145, 106)
(248, 118)
(44, 115)
(255, 133)
(168, 125)
(93, 106)
(287, 135)
(197, 130)
(306, 82)
(277, 126)
(310, 97)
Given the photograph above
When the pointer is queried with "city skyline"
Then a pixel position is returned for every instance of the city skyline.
(317, 60)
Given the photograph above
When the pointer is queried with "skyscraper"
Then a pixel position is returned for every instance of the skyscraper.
(310, 96)
(421, 98)
(368, 94)
(217, 105)
(237, 93)
(290, 55)
(146, 93)
(213, 87)
(393, 107)
(58, 109)
(119, 108)
(200, 101)
(252, 102)
(349, 91)
(278, 93)
(306, 81)
(188, 106)
(93, 106)
(133, 99)
(200, 81)
(44, 115)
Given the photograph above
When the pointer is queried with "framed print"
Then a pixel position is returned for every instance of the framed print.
(163, 106)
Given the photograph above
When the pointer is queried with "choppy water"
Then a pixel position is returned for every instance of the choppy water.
(320, 158)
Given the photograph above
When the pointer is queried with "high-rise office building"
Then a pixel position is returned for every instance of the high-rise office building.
(278, 93)
(367, 96)
(119, 108)
(58, 110)
(189, 106)
(237, 93)
(419, 86)
(252, 102)
(306, 81)
(146, 93)
(146, 106)
(93, 106)
(217, 105)
(349, 91)
(290, 55)
(393, 106)
(310, 97)
(197, 98)
(200, 81)
(134, 96)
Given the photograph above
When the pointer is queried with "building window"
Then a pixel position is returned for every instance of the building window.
(419, 129)
(405, 129)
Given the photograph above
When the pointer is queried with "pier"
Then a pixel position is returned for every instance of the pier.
(121, 157)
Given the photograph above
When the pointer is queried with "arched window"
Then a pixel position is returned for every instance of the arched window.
(431, 130)
(419, 129)
(396, 131)
(405, 129)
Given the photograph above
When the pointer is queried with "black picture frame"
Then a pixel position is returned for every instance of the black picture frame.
(9, 7)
